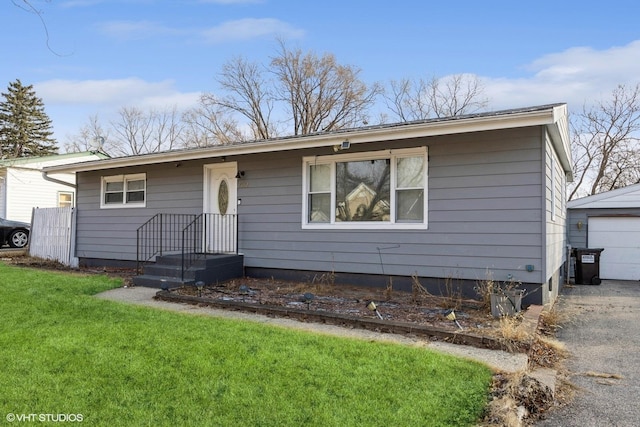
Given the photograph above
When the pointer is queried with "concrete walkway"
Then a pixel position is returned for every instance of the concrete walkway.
(497, 360)
(603, 338)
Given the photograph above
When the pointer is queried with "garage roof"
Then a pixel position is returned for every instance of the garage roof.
(626, 197)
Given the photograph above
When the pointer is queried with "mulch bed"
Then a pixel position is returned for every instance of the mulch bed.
(415, 313)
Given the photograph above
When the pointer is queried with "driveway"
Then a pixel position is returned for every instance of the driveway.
(603, 337)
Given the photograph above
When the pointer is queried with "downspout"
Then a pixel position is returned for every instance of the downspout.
(57, 181)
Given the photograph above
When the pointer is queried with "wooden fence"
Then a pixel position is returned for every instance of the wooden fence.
(53, 235)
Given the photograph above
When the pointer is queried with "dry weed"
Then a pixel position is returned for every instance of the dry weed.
(388, 291)
(517, 398)
(452, 295)
(418, 292)
(552, 318)
(602, 375)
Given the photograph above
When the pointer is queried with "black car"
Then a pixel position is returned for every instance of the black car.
(14, 233)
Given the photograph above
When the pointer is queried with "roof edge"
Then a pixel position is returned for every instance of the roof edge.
(546, 115)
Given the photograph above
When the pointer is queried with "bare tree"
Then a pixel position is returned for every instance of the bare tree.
(142, 132)
(320, 94)
(208, 124)
(450, 96)
(91, 136)
(605, 143)
(248, 94)
(310, 93)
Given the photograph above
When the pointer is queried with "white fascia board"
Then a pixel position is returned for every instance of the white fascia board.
(560, 139)
(542, 117)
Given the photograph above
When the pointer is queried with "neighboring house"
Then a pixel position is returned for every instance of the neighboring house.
(23, 187)
(448, 201)
(609, 220)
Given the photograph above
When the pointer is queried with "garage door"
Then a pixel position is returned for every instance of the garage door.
(620, 238)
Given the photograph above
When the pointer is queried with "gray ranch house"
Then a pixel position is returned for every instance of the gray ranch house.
(448, 201)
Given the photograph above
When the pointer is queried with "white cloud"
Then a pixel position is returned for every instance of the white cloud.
(111, 92)
(127, 30)
(249, 28)
(578, 76)
(70, 103)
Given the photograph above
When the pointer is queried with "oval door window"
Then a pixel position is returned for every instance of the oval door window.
(223, 197)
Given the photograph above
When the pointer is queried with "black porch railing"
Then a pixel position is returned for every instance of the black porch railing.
(190, 235)
(208, 234)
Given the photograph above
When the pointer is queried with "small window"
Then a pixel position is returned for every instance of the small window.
(124, 191)
(65, 199)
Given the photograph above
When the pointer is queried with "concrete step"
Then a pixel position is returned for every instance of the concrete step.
(167, 271)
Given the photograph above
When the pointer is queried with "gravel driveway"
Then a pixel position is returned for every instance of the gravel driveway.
(603, 337)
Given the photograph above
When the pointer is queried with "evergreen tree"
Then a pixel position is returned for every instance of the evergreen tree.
(25, 128)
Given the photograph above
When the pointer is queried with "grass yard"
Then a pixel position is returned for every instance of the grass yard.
(64, 352)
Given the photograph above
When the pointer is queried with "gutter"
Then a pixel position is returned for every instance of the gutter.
(57, 181)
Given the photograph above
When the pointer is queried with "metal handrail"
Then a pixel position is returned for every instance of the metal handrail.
(161, 234)
(208, 234)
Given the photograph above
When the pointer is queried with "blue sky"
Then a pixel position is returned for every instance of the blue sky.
(107, 54)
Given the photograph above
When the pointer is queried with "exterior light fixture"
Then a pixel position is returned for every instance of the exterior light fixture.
(580, 224)
(372, 307)
(307, 298)
(244, 291)
(200, 286)
(344, 145)
(240, 174)
(451, 315)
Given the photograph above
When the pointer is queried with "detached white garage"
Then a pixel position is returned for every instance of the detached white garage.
(611, 221)
(620, 238)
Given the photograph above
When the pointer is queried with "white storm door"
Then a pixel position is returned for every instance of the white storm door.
(220, 207)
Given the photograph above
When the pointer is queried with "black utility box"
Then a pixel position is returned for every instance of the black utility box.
(587, 266)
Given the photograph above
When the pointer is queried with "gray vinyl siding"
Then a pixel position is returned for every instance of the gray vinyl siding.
(484, 208)
(555, 227)
(486, 212)
(111, 233)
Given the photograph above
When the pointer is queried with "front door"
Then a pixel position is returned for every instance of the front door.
(220, 205)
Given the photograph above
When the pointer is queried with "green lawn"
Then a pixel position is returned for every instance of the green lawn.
(63, 351)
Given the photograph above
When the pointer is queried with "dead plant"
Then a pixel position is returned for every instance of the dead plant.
(485, 288)
(452, 294)
(388, 291)
(418, 292)
(512, 336)
(553, 317)
(327, 279)
(517, 398)
(546, 352)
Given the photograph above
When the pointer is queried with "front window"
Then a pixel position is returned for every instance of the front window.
(124, 190)
(365, 190)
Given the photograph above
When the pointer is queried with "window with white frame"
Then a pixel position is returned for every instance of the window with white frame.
(65, 199)
(124, 191)
(366, 190)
